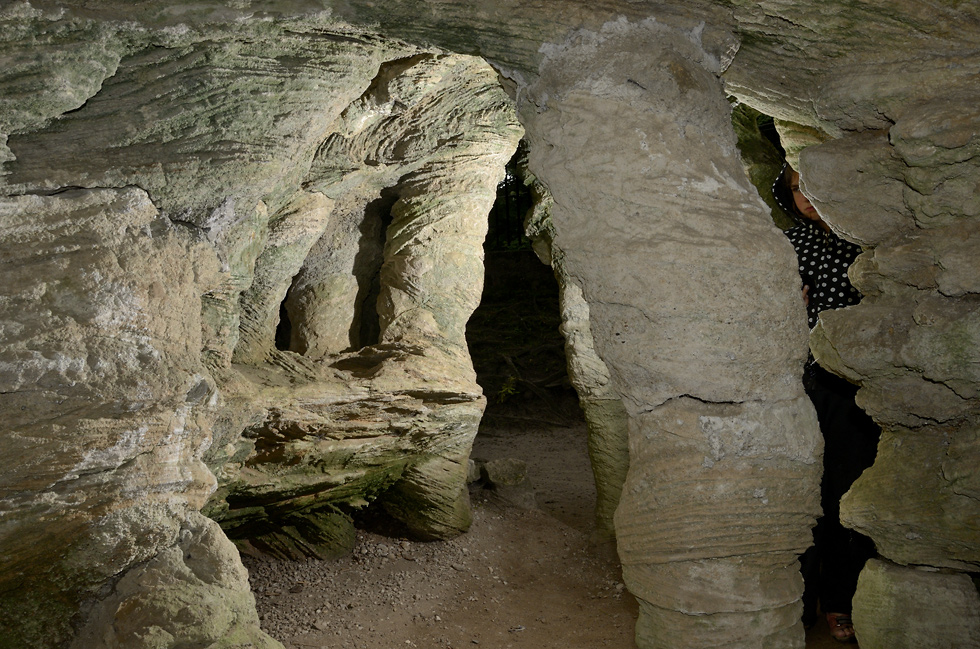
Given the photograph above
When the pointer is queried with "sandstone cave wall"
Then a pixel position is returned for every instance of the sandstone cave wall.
(171, 175)
(896, 173)
(167, 216)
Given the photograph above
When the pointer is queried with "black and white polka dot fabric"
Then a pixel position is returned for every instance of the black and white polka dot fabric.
(824, 259)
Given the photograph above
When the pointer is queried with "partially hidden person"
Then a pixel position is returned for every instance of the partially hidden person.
(831, 567)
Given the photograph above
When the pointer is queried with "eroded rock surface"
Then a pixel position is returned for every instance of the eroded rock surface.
(391, 415)
(176, 176)
(898, 607)
(156, 326)
(912, 342)
(720, 430)
(605, 415)
(106, 398)
(193, 592)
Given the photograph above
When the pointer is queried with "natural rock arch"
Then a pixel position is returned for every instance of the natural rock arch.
(113, 380)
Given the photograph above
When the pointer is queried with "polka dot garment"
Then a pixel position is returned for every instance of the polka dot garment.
(824, 259)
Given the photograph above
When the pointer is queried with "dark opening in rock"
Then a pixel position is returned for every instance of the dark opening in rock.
(365, 329)
(284, 329)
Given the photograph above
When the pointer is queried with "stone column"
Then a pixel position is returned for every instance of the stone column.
(695, 309)
(432, 277)
(913, 344)
(293, 231)
(605, 416)
(329, 304)
(431, 282)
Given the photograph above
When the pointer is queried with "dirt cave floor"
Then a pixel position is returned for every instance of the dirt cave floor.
(519, 578)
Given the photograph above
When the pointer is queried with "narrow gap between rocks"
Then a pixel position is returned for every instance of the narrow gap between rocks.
(366, 329)
(284, 330)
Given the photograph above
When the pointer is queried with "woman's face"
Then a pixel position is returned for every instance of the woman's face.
(802, 202)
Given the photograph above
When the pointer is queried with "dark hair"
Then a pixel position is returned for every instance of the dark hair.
(783, 193)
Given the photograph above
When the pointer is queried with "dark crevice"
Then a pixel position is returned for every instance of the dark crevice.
(284, 330)
(514, 198)
(515, 342)
(365, 328)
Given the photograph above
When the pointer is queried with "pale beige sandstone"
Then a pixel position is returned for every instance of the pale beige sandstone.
(322, 440)
(908, 194)
(106, 399)
(605, 415)
(216, 119)
(672, 324)
(796, 137)
(255, 232)
(193, 592)
(238, 243)
(431, 282)
(913, 345)
(413, 132)
(291, 234)
(900, 608)
(217, 110)
(289, 485)
(332, 304)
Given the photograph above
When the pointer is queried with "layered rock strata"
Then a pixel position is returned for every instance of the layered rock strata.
(393, 416)
(223, 156)
(207, 129)
(109, 409)
(721, 436)
(916, 607)
(912, 345)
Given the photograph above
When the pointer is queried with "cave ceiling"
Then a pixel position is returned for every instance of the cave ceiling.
(838, 65)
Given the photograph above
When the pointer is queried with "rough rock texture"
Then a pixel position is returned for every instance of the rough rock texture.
(720, 432)
(291, 234)
(394, 419)
(604, 412)
(912, 342)
(161, 337)
(105, 396)
(195, 591)
(901, 608)
(905, 188)
(167, 173)
(322, 441)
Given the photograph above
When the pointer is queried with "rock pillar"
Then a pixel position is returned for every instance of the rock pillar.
(695, 309)
(431, 282)
(912, 344)
(605, 416)
(292, 233)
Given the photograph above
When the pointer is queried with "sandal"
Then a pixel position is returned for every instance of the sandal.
(841, 627)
